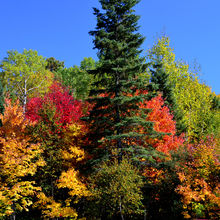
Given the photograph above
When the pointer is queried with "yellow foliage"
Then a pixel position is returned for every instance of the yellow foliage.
(193, 97)
(71, 149)
(70, 154)
(52, 209)
(70, 180)
(18, 159)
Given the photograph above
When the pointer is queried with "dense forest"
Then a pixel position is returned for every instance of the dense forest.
(124, 137)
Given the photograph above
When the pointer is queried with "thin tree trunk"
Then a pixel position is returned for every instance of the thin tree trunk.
(120, 208)
(25, 96)
(145, 215)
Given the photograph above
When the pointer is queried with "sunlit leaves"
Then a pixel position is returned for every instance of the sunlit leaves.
(24, 74)
(192, 96)
(199, 181)
(116, 190)
(163, 122)
(57, 126)
(19, 159)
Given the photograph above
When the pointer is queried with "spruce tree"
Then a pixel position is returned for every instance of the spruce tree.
(160, 83)
(114, 117)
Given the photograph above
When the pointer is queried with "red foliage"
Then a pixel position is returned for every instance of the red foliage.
(163, 122)
(67, 108)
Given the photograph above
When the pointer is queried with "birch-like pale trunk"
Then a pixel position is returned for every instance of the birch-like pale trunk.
(120, 208)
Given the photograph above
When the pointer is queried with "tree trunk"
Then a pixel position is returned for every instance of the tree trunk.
(25, 96)
(120, 208)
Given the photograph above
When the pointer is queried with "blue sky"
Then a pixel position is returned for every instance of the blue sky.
(60, 29)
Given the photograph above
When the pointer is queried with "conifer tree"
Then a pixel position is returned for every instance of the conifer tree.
(113, 118)
(160, 83)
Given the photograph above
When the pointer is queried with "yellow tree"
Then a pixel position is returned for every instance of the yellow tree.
(19, 160)
(193, 97)
(70, 179)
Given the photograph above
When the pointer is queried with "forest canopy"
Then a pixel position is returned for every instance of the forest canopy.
(124, 137)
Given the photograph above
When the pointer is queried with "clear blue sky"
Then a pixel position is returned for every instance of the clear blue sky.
(59, 28)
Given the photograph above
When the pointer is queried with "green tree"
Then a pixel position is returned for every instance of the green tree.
(24, 74)
(53, 65)
(192, 96)
(87, 63)
(113, 118)
(116, 191)
(77, 79)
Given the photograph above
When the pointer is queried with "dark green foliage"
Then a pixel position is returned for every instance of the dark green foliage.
(114, 114)
(215, 102)
(213, 127)
(160, 198)
(160, 83)
(2, 100)
(53, 65)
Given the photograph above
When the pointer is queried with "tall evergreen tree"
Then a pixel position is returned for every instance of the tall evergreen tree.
(113, 118)
(160, 83)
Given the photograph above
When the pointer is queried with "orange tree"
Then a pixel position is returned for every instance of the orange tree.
(199, 181)
(19, 161)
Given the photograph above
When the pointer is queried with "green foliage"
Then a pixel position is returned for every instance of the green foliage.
(24, 74)
(192, 96)
(114, 99)
(214, 122)
(53, 65)
(116, 191)
(77, 79)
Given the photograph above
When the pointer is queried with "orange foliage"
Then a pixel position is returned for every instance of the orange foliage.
(200, 186)
(18, 159)
(163, 122)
